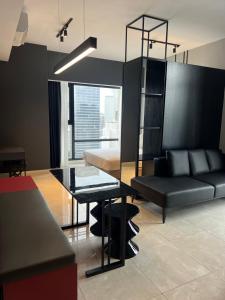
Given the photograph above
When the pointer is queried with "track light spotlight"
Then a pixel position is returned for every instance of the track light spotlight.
(63, 31)
(175, 49)
(150, 45)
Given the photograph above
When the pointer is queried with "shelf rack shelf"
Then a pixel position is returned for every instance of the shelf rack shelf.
(152, 94)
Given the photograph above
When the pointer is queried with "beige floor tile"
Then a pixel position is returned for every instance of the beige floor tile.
(149, 238)
(216, 206)
(212, 224)
(208, 287)
(167, 267)
(220, 273)
(161, 297)
(151, 212)
(80, 295)
(178, 258)
(147, 216)
(86, 248)
(205, 248)
(173, 230)
(123, 283)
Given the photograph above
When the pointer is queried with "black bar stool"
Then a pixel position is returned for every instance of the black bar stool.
(96, 212)
(131, 230)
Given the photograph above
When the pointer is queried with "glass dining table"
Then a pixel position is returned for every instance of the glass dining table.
(88, 185)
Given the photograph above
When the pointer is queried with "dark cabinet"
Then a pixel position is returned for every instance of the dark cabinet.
(143, 99)
(151, 109)
(168, 105)
(193, 107)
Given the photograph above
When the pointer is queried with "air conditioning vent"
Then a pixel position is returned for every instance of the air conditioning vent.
(22, 30)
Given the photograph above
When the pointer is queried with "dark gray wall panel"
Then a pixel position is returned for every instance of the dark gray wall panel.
(193, 106)
(89, 70)
(24, 103)
(130, 110)
(24, 119)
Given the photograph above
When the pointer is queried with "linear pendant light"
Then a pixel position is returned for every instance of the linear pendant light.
(77, 54)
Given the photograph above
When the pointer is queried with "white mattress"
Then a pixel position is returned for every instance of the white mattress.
(105, 159)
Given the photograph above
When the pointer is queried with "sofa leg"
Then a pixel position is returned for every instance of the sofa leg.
(163, 215)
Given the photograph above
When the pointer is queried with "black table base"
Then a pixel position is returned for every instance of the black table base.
(77, 223)
(96, 228)
(131, 250)
(15, 168)
(108, 265)
(90, 185)
(106, 268)
(96, 212)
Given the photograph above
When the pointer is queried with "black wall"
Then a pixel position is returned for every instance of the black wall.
(89, 70)
(24, 104)
(193, 106)
(24, 112)
(130, 110)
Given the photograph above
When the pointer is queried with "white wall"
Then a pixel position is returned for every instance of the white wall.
(211, 55)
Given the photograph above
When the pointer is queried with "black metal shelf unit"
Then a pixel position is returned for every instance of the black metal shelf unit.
(143, 95)
(144, 83)
(167, 105)
(151, 110)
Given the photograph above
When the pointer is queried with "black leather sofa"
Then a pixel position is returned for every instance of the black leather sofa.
(183, 177)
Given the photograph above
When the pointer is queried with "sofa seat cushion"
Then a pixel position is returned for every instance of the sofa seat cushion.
(173, 191)
(216, 179)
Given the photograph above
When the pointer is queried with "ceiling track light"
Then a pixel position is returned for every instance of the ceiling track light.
(61, 38)
(83, 50)
(151, 41)
(63, 30)
(88, 46)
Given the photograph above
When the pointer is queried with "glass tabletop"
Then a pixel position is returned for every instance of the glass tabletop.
(90, 184)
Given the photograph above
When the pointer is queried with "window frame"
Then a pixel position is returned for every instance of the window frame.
(71, 120)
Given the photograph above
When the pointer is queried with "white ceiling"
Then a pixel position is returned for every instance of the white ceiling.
(9, 17)
(191, 23)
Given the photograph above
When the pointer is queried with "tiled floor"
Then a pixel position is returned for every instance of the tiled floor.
(183, 259)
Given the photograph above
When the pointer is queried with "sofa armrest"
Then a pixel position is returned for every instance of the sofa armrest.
(161, 167)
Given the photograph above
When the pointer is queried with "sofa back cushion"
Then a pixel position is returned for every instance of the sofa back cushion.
(198, 162)
(216, 160)
(178, 163)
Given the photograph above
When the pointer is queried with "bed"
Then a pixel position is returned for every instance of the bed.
(107, 160)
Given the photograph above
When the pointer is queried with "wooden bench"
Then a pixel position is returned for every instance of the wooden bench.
(36, 259)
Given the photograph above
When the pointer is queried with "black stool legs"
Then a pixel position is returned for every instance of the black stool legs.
(132, 230)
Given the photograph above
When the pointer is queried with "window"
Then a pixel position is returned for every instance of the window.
(94, 121)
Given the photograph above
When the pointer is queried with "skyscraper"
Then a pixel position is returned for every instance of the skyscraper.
(87, 118)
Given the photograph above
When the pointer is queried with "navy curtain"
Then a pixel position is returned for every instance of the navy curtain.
(54, 96)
